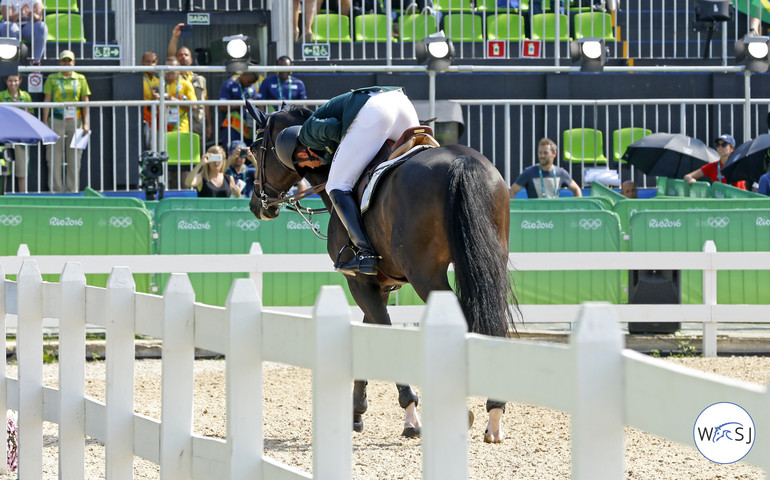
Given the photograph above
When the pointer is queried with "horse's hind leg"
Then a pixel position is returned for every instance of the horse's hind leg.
(494, 431)
(359, 404)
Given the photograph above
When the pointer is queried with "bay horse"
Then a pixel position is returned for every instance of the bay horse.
(443, 205)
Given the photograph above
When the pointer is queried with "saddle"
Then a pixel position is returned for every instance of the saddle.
(396, 152)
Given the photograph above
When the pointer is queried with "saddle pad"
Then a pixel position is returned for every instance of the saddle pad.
(379, 172)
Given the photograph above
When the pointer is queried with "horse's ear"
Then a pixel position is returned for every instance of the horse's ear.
(258, 115)
(285, 107)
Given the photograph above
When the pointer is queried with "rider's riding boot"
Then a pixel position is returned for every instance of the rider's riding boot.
(366, 260)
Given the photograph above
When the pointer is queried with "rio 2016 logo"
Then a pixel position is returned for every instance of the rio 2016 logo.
(724, 432)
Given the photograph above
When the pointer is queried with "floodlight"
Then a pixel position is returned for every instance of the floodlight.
(10, 51)
(753, 51)
(435, 50)
(237, 53)
(590, 53)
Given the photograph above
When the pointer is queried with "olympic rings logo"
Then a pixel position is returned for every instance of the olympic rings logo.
(247, 225)
(10, 220)
(121, 222)
(717, 222)
(590, 223)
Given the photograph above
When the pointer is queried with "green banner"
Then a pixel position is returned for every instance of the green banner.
(754, 8)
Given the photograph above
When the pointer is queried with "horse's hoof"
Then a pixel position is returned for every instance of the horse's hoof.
(411, 432)
(358, 423)
(470, 419)
(489, 438)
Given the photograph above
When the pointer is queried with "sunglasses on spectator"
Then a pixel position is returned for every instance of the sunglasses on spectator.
(722, 144)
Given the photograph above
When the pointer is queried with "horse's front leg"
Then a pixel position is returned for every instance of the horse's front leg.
(494, 431)
(408, 400)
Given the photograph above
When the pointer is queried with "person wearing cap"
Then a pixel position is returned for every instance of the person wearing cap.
(236, 126)
(25, 19)
(65, 87)
(243, 172)
(346, 132)
(725, 145)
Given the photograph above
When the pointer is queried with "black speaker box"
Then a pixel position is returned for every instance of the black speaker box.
(654, 287)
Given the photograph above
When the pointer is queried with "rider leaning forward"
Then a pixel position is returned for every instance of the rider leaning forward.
(348, 131)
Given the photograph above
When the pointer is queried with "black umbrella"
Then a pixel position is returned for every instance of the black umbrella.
(669, 154)
(749, 161)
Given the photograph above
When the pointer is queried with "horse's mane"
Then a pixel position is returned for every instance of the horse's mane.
(291, 115)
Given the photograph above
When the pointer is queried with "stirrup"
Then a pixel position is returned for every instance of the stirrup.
(365, 263)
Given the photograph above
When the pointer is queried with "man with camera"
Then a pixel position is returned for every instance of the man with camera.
(243, 172)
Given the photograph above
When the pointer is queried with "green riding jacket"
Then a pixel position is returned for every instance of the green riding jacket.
(323, 131)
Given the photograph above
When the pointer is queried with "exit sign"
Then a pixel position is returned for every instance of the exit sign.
(107, 52)
(198, 19)
(316, 50)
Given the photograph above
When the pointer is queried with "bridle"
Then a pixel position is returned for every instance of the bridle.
(271, 196)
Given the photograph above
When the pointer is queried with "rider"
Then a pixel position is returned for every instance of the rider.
(347, 132)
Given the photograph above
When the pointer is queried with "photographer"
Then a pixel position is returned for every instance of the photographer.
(208, 176)
(243, 172)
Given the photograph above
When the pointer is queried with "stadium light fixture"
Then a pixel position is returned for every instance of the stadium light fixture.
(237, 53)
(10, 51)
(435, 50)
(754, 51)
(590, 53)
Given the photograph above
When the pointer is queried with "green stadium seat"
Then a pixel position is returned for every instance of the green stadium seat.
(492, 6)
(183, 148)
(370, 27)
(332, 27)
(505, 26)
(623, 137)
(594, 24)
(416, 27)
(583, 145)
(454, 6)
(544, 27)
(61, 6)
(464, 27)
(65, 28)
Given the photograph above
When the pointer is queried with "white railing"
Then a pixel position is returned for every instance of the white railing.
(709, 313)
(601, 385)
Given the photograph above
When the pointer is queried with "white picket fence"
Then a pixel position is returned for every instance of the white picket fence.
(601, 385)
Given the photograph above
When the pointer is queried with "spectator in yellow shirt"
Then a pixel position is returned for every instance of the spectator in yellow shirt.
(177, 88)
(150, 83)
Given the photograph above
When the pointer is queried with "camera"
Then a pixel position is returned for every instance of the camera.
(215, 157)
(150, 170)
(243, 153)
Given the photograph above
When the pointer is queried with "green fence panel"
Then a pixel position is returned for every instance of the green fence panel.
(602, 191)
(731, 231)
(580, 203)
(723, 190)
(233, 231)
(586, 231)
(627, 207)
(661, 186)
(700, 190)
(195, 203)
(90, 192)
(676, 187)
(72, 230)
(55, 200)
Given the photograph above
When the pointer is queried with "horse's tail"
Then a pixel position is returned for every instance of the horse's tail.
(481, 262)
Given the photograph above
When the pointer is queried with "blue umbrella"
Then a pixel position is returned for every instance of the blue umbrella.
(19, 126)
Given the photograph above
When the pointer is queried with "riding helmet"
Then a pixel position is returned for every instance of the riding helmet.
(286, 143)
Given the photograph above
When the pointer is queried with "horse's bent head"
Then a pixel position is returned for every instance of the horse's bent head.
(274, 177)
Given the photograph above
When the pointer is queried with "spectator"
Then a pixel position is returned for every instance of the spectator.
(25, 19)
(755, 26)
(282, 86)
(536, 6)
(236, 126)
(244, 173)
(212, 181)
(201, 114)
(66, 86)
(545, 179)
(335, 6)
(15, 95)
(151, 84)
(764, 184)
(725, 144)
(308, 16)
(629, 190)
(177, 118)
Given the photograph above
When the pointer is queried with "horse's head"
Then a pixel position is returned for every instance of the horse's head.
(274, 177)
